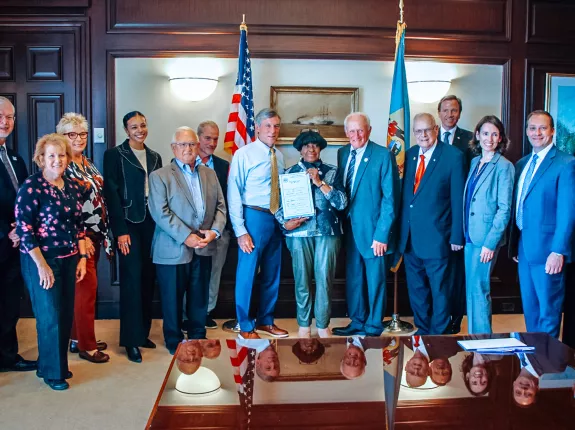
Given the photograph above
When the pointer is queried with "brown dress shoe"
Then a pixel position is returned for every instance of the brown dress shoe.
(96, 357)
(272, 330)
(249, 335)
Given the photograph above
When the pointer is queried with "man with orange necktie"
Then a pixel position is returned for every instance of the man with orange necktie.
(431, 223)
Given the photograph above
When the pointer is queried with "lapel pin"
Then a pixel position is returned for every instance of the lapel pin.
(434, 159)
(414, 158)
(365, 159)
(14, 158)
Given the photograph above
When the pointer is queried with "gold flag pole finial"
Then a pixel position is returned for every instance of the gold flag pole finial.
(401, 11)
(243, 25)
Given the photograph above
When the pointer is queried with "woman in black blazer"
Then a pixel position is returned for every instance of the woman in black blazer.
(126, 171)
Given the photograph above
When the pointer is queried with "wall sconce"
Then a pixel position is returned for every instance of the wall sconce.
(427, 91)
(193, 89)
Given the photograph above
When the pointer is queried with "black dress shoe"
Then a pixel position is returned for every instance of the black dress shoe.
(134, 354)
(347, 331)
(74, 347)
(57, 384)
(40, 375)
(231, 326)
(149, 344)
(21, 366)
(210, 323)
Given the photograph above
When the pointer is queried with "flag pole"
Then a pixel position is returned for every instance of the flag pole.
(395, 325)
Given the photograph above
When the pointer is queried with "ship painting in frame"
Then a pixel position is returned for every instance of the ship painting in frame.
(321, 109)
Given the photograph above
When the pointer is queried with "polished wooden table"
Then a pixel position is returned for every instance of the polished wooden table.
(371, 383)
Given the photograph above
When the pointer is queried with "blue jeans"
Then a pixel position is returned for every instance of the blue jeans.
(54, 312)
(478, 286)
(267, 255)
(313, 257)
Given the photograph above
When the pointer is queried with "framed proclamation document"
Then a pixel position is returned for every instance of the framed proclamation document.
(297, 200)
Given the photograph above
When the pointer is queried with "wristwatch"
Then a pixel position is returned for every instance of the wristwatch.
(322, 184)
(84, 256)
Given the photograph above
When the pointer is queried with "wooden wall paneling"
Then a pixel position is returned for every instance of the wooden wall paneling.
(551, 22)
(477, 20)
(6, 63)
(44, 112)
(44, 63)
(45, 4)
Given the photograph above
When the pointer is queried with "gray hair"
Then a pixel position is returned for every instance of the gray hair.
(360, 114)
(7, 100)
(266, 113)
(181, 129)
(69, 121)
(205, 124)
(425, 115)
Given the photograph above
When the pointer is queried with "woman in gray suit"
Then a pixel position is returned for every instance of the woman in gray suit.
(487, 209)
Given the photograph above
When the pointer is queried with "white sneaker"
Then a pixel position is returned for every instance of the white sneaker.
(324, 332)
(304, 332)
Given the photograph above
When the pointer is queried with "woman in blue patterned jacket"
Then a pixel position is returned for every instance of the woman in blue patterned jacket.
(314, 242)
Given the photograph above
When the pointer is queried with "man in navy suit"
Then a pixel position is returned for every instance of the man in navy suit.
(431, 224)
(543, 223)
(371, 181)
(449, 110)
(12, 173)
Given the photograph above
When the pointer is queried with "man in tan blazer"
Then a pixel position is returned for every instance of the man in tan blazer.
(187, 203)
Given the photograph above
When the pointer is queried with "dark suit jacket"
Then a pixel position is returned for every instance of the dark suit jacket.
(373, 205)
(436, 346)
(461, 141)
(550, 356)
(222, 168)
(434, 215)
(8, 199)
(124, 185)
(548, 209)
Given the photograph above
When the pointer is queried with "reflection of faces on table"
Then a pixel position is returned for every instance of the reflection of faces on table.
(268, 364)
(440, 371)
(211, 348)
(309, 346)
(417, 370)
(478, 379)
(189, 357)
(525, 388)
(353, 362)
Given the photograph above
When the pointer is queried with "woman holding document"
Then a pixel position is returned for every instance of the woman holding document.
(314, 241)
(487, 209)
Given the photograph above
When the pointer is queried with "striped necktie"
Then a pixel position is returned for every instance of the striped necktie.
(8, 166)
(526, 183)
(350, 172)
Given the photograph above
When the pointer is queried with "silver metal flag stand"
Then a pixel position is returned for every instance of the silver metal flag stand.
(395, 325)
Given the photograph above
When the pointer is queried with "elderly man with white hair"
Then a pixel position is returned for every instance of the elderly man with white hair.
(187, 203)
(371, 181)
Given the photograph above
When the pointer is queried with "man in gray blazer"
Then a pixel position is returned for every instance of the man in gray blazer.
(187, 203)
(371, 181)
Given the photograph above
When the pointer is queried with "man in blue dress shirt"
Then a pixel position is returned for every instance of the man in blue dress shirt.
(253, 198)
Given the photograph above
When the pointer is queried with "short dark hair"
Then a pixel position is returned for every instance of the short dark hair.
(474, 144)
(540, 112)
(131, 115)
(466, 366)
(448, 98)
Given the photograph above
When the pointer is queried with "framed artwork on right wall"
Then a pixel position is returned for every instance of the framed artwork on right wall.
(560, 103)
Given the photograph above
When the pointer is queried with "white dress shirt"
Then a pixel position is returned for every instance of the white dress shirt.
(427, 156)
(249, 181)
(358, 154)
(451, 136)
(421, 348)
(541, 156)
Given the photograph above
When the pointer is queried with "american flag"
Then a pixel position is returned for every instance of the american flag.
(244, 364)
(241, 125)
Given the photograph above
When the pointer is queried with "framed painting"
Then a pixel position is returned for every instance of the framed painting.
(560, 103)
(322, 109)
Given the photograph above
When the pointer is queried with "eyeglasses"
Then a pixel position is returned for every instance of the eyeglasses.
(423, 131)
(9, 118)
(73, 136)
(305, 130)
(185, 144)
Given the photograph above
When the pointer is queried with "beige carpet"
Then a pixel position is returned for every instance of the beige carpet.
(114, 395)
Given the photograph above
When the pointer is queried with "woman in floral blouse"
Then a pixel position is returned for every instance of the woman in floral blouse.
(314, 242)
(75, 127)
(50, 225)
